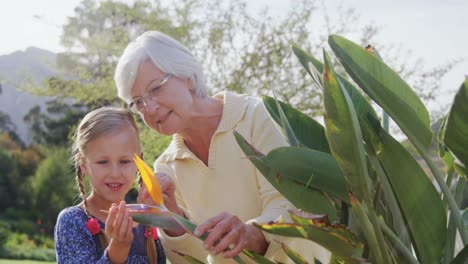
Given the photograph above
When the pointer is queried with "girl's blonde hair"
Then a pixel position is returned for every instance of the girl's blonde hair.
(97, 123)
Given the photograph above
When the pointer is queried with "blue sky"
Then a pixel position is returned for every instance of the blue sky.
(430, 28)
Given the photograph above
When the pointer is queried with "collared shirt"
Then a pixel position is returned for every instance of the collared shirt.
(230, 182)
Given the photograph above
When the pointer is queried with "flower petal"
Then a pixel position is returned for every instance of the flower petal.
(150, 180)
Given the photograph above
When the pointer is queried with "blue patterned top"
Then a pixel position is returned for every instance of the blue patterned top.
(75, 244)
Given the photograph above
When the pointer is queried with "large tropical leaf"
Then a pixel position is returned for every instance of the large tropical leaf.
(344, 135)
(346, 143)
(309, 132)
(300, 195)
(386, 88)
(415, 194)
(309, 168)
(456, 130)
(334, 237)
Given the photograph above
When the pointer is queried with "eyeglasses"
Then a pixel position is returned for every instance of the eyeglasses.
(138, 105)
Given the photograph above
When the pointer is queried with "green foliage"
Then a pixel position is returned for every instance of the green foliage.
(53, 186)
(21, 246)
(17, 164)
(388, 191)
(153, 143)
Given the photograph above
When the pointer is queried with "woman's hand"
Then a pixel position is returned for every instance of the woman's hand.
(168, 190)
(119, 230)
(227, 230)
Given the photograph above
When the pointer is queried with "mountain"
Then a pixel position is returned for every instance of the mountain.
(32, 65)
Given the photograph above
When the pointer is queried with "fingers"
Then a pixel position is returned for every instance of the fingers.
(209, 224)
(118, 224)
(237, 249)
(144, 196)
(225, 230)
(113, 210)
(167, 184)
(234, 238)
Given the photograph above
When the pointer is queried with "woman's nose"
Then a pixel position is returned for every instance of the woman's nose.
(151, 105)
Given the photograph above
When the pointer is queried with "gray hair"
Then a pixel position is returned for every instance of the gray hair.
(166, 53)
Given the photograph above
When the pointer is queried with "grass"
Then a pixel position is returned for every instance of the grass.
(15, 261)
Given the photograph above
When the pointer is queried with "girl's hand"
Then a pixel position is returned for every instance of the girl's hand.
(225, 230)
(119, 229)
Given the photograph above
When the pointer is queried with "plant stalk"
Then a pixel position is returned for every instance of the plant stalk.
(454, 209)
(398, 243)
(368, 230)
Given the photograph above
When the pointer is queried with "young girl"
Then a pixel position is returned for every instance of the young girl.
(106, 140)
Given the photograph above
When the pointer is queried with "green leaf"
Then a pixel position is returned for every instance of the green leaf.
(444, 153)
(308, 132)
(415, 194)
(344, 135)
(257, 257)
(293, 255)
(309, 168)
(334, 237)
(386, 88)
(462, 257)
(190, 259)
(465, 218)
(456, 131)
(287, 130)
(306, 59)
(307, 199)
(368, 119)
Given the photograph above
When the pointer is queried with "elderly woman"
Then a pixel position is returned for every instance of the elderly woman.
(205, 176)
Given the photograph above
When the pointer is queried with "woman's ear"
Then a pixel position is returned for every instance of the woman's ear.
(190, 84)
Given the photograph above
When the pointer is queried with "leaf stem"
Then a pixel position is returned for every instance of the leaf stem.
(454, 209)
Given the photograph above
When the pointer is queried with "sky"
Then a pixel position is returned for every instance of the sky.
(435, 30)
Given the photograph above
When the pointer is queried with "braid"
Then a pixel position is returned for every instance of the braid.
(79, 181)
(151, 250)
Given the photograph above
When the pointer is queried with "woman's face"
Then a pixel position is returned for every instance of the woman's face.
(108, 162)
(168, 107)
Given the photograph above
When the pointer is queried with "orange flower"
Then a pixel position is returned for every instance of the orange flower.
(150, 180)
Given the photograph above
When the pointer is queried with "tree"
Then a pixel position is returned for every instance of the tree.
(239, 51)
(53, 186)
(7, 126)
(55, 128)
(17, 165)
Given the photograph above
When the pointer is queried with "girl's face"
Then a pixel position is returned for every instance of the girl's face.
(109, 164)
(169, 109)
